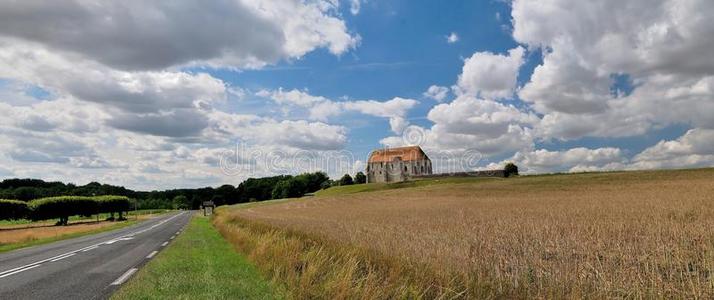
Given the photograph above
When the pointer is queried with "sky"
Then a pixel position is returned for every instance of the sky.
(174, 94)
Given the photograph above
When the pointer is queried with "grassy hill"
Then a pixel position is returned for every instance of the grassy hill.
(644, 234)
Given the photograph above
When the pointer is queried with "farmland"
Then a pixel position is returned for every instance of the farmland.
(623, 234)
(24, 233)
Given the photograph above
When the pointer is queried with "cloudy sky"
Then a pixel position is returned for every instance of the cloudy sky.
(166, 94)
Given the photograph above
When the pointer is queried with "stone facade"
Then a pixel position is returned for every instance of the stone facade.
(397, 164)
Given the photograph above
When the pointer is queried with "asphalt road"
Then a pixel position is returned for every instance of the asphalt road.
(89, 267)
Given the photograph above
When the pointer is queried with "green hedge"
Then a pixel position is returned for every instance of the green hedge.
(62, 208)
(13, 210)
(113, 204)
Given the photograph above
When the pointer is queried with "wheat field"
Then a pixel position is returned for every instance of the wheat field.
(595, 235)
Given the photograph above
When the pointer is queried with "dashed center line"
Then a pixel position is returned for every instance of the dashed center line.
(90, 248)
(152, 254)
(124, 277)
(63, 257)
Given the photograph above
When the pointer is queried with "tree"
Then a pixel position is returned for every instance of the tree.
(290, 188)
(360, 178)
(181, 202)
(27, 193)
(510, 169)
(346, 180)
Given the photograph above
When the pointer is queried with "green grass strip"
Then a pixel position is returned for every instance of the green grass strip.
(199, 264)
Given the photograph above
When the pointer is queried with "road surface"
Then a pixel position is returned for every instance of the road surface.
(89, 267)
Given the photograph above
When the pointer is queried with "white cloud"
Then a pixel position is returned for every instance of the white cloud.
(452, 38)
(135, 35)
(437, 93)
(491, 75)
(321, 108)
(570, 160)
(472, 124)
(292, 97)
(694, 149)
(656, 44)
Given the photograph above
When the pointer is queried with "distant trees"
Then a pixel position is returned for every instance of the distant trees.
(346, 180)
(252, 189)
(360, 178)
(300, 185)
(181, 202)
(510, 169)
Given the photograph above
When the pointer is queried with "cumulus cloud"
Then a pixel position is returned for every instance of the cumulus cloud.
(472, 124)
(490, 75)
(437, 93)
(694, 149)
(321, 108)
(570, 160)
(135, 35)
(656, 44)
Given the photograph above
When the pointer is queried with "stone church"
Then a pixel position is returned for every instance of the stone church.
(397, 164)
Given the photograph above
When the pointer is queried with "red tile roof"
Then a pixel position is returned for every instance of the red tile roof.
(410, 153)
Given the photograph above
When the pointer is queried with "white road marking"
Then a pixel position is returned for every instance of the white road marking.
(63, 257)
(152, 254)
(124, 277)
(90, 248)
(164, 244)
(18, 271)
(13, 271)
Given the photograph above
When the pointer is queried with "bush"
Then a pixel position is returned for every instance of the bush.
(13, 210)
(62, 208)
(360, 178)
(113, 204)
(346, 180)
(510, 169)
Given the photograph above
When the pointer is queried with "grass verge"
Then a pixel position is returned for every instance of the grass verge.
(199, 264)
(42, 241)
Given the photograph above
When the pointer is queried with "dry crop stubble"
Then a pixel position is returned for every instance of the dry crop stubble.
(627, 234)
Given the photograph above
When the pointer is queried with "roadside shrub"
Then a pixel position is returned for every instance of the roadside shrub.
(13, 210)
(113, 204)
(510, 169)
(62, 208)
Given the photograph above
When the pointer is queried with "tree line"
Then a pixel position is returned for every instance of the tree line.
(252, 189)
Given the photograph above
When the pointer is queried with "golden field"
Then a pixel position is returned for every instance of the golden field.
(593, 235)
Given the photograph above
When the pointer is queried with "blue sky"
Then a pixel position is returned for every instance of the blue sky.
(554, 86)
